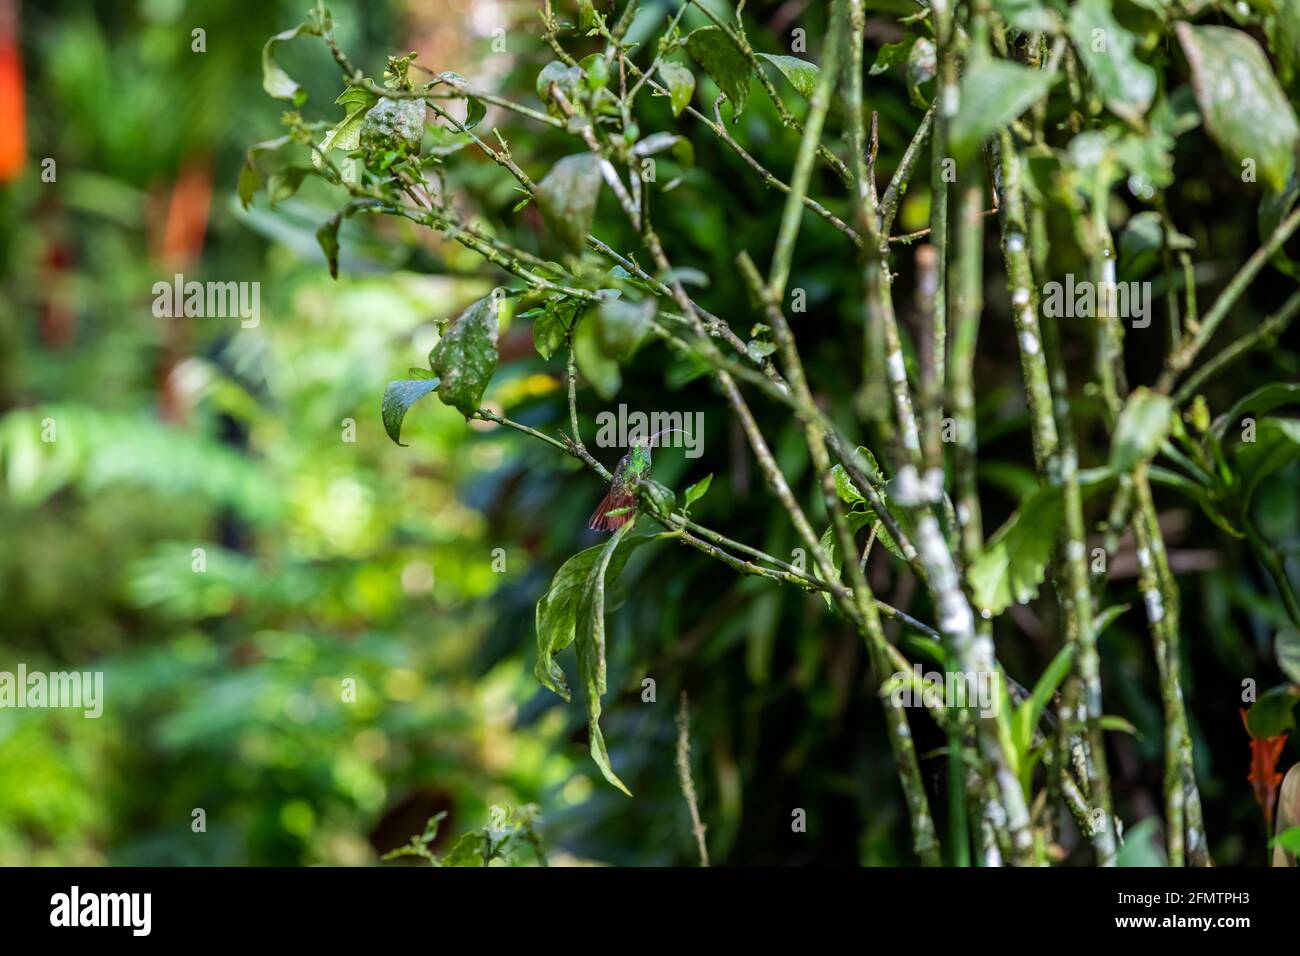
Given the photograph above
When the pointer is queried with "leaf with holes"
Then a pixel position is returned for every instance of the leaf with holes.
(466, 356)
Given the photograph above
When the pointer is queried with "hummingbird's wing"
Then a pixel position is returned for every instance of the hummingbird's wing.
(615, 510)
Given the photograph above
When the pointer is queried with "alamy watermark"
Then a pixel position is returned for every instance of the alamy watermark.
(932, 689)
(208, 300)
(133, 911)
(1086, 299)
(57, 689)
(623, 429)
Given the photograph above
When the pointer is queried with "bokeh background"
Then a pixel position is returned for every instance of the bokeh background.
(328, 558)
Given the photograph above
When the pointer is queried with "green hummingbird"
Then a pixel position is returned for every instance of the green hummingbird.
(619, 506)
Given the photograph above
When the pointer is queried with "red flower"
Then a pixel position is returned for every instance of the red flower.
(1264, 778)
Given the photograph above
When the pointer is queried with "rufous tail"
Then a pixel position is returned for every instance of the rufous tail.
(622, 504)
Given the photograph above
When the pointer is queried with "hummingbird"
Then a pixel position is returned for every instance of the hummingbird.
(618, 507)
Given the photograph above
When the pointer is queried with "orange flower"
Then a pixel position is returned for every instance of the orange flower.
(1264, 777)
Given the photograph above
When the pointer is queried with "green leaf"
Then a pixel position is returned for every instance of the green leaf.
(857, 520)
(1029, 16)
(590, 642)
(1286, 647)
(656, 499)
(1117, 725)
(621, 326)
(551, 325)
(595, 71)
(681, 85)
(892, 54)
(1014, 561)
(250, 181)
(845, 488)
(328, 237)
(285, 182)
(1127, 85)
(567, 196)
(398, 398)
(695, 492)
(557, 611)
(250, 178)
(1288, 840)
(275, 81)
(1271, 715)
(466, 356)
(922, 65)
(1105, 618)
(801, 73)
(1263, 399)
(475, 110)
(1276, 445)
(566, 78)
(1031, 711)
(1144, 424)
(714, 51)
(1283, 30)
(597, 367)
(858, 506)
(1273, 208)
(993, 94)
(1139, 847)
(1243, 106)
(356, 102)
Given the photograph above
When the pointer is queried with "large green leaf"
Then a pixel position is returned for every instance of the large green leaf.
(557, 611)
(1144, 424)
(590, 640)
(1126, 83)
(466, 356)
(801, 73)
(1243, 106)
(1014, 561)
(993, 94)
(398, 398)
(713, 50)
(567, 196)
